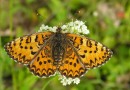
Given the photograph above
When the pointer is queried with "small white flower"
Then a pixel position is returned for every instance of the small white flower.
(67, 81)
(71, 24)
(76, 80)
(41, 28)
(84, 29)
(80, 23)
(54, 29)
(63, 80)
(47, 28)
(64, 27)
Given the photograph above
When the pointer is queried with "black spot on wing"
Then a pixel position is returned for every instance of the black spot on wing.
(36, 38)
(40, 63)
(31, 47)
(32, 52)
(88, 43)
(81, 41)
(85, 51)
(83, 56)
(28, 40)
(26, 47)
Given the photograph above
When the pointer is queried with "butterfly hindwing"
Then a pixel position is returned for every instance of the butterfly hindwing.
(92, 53)
(42, 64)
(72, 67)
(23, 49)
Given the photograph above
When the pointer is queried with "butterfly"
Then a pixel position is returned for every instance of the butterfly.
(46, 53)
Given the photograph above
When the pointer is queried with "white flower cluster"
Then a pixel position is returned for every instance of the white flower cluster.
(76, 27)
(67, 81)
(47, 28)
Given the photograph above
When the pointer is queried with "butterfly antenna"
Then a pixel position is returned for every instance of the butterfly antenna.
(75, 15)
(38, 14)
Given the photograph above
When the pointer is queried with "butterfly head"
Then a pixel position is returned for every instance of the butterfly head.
(58, 30)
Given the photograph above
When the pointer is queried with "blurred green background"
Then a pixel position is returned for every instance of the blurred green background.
(107, 20)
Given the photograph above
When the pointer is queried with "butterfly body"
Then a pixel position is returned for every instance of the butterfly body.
(58, 47)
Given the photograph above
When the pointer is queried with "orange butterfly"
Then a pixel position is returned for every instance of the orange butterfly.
(45, 53)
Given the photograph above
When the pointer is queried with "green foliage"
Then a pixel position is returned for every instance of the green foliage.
(112, 28)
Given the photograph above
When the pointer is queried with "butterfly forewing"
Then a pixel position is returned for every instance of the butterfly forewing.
(92, 53)
(23, 49)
